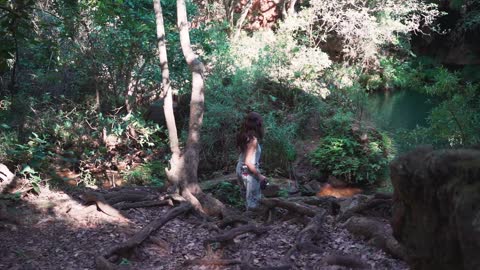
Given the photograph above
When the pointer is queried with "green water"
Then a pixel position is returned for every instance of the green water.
(400, 109)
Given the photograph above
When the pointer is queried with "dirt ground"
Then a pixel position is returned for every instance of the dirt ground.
(54, 233)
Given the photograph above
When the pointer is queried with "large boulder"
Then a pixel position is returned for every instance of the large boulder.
(436, 208)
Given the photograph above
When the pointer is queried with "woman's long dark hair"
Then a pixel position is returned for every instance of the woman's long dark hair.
(251, 127)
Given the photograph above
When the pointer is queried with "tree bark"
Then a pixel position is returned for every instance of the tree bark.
(183, 164)
(168, 101)
(184, 168)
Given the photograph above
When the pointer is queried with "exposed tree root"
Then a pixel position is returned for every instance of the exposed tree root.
(328, 203)
(304, 240)
(233, 220)
(363, 207)
(102, 204)
(293, 207)
(378, 234)
(126, 197)
(123, 249)
(123, 192)
(231, 234)
(127, 205)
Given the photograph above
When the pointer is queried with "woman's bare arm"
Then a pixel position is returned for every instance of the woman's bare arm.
(250, 155)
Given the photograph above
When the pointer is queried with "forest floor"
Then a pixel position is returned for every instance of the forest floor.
(55, 230)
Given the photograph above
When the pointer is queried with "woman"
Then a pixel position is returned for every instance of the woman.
(248, 142)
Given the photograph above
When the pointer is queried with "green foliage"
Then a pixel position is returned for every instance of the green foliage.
(228, 193)
(278, 147)
(350, 160)
(359, 30)
(148, 174)
(352, 153)
(33, 176)
(454, 120)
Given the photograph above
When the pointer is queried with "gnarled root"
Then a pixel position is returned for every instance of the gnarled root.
(293, 207)
(378, 233)
(231, 234)
(304, 239)
(123, 249)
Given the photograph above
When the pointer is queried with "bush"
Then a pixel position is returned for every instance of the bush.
(355, 154)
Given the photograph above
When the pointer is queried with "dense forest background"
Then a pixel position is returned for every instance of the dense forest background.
(81, 86)
(110, 110)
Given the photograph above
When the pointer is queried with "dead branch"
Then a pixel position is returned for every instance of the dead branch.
(379, 234)
(123, 249)
(231, 234)
(291, 206)
(127, 205)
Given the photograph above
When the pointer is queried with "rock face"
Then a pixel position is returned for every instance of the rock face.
(436, 208)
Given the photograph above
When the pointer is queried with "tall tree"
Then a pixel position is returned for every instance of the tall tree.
(183, 164)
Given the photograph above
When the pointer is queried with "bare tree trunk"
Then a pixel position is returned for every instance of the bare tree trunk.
(168, 102)
(291, 7)
(241, 20)
(189, 181)
(183, 164)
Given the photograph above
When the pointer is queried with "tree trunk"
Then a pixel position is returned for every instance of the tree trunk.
(185, 173)
(183, 165)
(241, 20)
(168, 101)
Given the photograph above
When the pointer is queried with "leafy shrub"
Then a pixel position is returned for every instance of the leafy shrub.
(356, 154)
(350, 160)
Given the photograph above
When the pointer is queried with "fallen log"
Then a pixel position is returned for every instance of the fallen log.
(123, 249)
